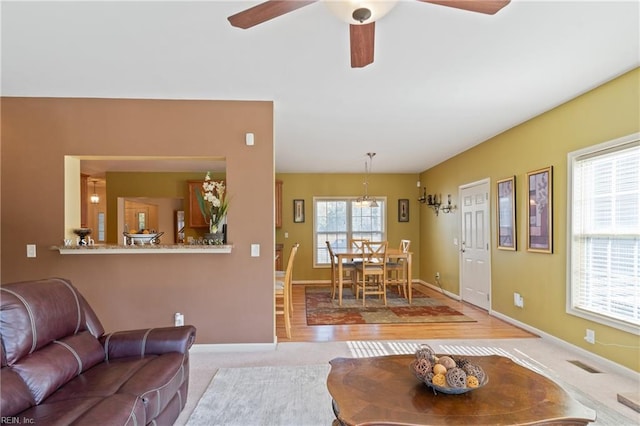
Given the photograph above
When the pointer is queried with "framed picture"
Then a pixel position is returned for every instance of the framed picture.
(403, 210)
(298, 211)
(540, 211)
(506, 208)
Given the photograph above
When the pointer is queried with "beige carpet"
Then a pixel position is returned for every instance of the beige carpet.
(597, 391)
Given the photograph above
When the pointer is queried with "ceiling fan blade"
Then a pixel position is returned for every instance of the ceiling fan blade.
(362, 41)
(490, 7)
(265, 11)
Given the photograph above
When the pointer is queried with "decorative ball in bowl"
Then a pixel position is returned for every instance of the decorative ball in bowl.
(447, 374)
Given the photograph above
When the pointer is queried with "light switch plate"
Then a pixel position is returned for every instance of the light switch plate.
(255, 250)
(31, 250)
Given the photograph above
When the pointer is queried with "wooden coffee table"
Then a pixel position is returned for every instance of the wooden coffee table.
(383, 390)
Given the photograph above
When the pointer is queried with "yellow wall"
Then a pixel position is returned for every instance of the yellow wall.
(306, 186)
(603, 114)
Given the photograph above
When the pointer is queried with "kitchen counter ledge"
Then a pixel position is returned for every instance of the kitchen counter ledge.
(145, 249)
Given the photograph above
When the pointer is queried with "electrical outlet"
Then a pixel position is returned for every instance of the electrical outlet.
(518, 300)
(590, 337)
(31, 250)
(437, 275)
(178, 319)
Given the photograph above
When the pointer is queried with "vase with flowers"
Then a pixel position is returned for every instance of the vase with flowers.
(213, 203)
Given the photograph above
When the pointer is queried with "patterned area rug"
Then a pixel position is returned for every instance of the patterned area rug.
(322, 310)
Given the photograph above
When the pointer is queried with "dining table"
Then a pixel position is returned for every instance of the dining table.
(348, 255)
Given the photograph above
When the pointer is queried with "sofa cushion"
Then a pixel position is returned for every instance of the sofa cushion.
(119, 409)
(54, 365)
(19, 398)
(36, 313)
(102, 380)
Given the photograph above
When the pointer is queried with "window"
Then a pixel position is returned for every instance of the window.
(604, 234)
(339, 220)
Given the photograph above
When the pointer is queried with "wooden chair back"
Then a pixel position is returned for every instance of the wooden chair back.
(283, 291)
(357, 244)
(375, 252)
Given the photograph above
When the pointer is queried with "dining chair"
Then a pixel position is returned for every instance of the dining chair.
(396, 269)
(348, 270)
(357, 245)
(283, 293)
(372, 272)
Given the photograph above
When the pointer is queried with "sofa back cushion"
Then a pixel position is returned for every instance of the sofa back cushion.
(48, 368)
(35, 313)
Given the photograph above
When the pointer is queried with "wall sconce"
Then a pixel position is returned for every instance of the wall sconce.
(435, 202)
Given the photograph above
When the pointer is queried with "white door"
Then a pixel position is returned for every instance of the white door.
(475, 274)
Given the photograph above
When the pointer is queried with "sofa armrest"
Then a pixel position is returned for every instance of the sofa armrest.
(152, 341)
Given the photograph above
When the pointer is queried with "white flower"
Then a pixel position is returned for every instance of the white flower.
(212, 202)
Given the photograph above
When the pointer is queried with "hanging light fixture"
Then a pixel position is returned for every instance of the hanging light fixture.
(95, 198)
(365, 200)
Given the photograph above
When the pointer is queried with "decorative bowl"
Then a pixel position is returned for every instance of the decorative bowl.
(445, 389)
(82, 232)
(142, 239)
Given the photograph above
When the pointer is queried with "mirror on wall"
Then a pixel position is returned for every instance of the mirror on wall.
(156, 186)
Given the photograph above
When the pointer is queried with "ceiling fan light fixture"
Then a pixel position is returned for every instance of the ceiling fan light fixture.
(360, 12)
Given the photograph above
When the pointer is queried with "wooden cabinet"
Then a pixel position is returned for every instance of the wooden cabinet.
(196, 220)
(278, 204)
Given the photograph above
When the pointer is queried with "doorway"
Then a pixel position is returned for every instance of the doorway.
(475, 253)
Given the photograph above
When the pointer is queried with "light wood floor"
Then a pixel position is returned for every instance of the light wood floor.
(486, 327)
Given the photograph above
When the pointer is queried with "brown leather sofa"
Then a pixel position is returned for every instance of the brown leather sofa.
(60, 368)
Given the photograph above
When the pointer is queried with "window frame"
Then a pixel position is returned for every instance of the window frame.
(349, 200)
(572, 159)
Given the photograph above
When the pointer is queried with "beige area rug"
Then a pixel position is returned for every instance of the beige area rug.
(268, 396)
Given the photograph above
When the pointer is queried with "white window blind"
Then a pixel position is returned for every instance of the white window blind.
(605, 234)
(339, 220)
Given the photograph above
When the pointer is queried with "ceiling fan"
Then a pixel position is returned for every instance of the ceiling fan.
(361, 16)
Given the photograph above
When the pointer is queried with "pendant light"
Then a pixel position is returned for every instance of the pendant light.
(95, 198)
(365, 200)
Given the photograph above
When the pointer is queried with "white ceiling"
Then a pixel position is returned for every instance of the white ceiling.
(443, 79)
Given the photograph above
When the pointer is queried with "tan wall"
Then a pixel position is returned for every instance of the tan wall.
(306, 186)
(229, 298)
(606, 113)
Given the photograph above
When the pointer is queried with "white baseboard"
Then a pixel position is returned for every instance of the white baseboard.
(234, 347)
(619, 368)
(438, 289)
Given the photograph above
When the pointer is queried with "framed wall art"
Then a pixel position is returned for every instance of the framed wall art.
(403, 210)
(540, 210)
(298, 211)
(506, 208)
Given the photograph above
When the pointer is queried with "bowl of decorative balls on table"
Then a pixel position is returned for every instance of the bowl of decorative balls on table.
(445, 373)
